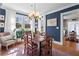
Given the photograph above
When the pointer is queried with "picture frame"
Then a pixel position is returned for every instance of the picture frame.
(52, 22)
(1, 17)
(1, 24)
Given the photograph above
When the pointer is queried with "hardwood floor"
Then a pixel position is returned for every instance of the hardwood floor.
(14, 50)
(71, 48)
(68, 49)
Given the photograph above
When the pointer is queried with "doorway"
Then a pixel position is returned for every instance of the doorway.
(70, 27)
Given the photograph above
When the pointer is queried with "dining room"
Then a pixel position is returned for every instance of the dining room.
(33, 29)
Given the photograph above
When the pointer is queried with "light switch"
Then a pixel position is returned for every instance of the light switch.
(57, 27)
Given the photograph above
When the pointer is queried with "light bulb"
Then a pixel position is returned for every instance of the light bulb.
(37, 14)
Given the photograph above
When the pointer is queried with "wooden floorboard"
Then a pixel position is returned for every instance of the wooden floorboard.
(68, 47)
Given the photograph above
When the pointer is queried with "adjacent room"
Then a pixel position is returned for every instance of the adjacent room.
(71, 29)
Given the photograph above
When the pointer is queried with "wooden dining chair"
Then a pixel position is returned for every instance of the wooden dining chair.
(30, 46)
(72, 36)
(46, 46)
(25, 37)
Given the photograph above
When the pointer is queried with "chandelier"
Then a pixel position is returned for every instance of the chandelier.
(34, 14)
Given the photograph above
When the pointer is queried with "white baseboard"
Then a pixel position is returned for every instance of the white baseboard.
(58, 42)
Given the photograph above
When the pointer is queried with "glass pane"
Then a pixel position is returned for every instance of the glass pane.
(77, 28)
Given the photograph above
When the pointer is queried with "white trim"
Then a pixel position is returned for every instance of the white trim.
(57, 42)
(60, 9)
(61, 28)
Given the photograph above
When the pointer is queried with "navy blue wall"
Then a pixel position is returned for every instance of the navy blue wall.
(2, 12)
(51, 30)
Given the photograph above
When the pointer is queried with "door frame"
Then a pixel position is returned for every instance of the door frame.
(61, 26)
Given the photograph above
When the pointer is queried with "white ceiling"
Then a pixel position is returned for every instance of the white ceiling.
(71, 14)
(41, 7)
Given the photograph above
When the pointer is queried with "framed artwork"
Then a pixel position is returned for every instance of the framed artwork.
(1, 17)
(1, 24)
(52, 22)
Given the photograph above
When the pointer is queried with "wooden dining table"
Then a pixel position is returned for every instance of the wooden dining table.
(38, 41)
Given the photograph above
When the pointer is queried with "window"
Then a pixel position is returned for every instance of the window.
(73, 26)
(21, 20)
